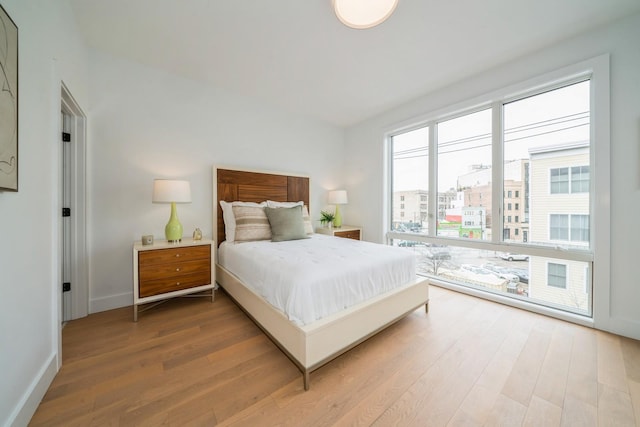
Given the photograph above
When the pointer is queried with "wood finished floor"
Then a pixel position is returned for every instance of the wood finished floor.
(468, 362)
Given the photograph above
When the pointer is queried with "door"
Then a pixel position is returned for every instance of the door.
(65, 268)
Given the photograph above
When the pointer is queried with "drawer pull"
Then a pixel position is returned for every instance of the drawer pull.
(178, 284)
(177, 255)
(177, 269)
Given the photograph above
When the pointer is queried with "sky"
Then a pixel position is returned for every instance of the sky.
(550, 118)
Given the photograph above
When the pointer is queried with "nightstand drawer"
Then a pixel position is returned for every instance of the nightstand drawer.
(164, 256)
(352, 234)
(170, 284)
(153, 271)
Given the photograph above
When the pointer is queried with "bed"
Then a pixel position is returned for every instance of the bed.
(309, 344)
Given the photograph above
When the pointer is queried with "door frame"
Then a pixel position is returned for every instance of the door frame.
(77, 126)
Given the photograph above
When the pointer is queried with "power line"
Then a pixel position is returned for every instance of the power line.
(534, 125)
(402, 155)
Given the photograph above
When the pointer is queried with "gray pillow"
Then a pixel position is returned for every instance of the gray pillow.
(286, 223)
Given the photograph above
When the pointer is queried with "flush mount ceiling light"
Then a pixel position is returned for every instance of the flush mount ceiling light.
(361, 14)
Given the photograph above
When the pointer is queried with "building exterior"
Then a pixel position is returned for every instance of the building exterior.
(560, 209)
(410, 210)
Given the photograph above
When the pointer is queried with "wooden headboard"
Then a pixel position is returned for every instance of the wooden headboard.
(232, 185)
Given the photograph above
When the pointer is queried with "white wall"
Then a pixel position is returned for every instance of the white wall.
(146, 124)
(30, 221)
(364, 174)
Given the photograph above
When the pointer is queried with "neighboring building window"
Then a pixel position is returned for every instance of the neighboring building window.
(402, 198)
(508, 206)
(517, 232)
(559, 227)
(580, 179)
(516, 218)
(509, 193)
(580, 228)
(559, 181)
(517, 206)
(557, 275)
(574, 228)
(517, 194)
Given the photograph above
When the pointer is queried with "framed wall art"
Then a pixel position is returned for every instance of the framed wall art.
(8, 103)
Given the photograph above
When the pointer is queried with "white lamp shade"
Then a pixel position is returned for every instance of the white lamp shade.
(171, 191)
(361, 14)
(337, 197)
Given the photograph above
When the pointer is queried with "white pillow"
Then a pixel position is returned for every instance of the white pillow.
(230, 219)
(272, 204)
(308, 227)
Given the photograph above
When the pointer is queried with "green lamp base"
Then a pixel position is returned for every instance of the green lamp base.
(337, 219)
(173, 230)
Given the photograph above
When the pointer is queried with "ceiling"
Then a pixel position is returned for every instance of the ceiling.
(296, 55)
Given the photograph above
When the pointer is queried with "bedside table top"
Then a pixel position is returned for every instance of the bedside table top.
(334, 229)
(163, 244)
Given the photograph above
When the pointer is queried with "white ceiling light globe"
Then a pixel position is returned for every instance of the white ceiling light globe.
(361, 14)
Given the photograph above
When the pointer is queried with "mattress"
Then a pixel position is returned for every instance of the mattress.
(312, 278)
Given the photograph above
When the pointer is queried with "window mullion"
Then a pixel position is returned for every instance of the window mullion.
(497, 173)
(432, 218)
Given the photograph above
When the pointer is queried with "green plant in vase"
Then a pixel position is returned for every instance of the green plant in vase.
(326, 218)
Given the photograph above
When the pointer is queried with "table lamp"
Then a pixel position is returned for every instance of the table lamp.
(172, 191)
(337, 197)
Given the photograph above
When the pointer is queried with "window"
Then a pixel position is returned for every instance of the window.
(580, 228)
(574, 228)
(559, 227)
(543, 138)
(559, 181)
(557, 275)
(464, 157)
(410, 154)
(580, 179)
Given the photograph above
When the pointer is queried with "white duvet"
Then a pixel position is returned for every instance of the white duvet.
(312, 278)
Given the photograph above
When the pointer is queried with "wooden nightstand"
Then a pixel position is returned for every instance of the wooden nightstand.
(347, 231)
(166, 270)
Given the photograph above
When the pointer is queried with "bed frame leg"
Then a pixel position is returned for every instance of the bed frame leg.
(305, 376)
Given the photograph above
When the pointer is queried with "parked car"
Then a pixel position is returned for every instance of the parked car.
(501, 272)
(514, 257)
(522, 274)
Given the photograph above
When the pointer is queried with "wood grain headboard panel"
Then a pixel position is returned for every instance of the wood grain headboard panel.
(246, 186)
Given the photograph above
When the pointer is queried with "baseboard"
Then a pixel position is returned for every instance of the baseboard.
(31, 399)
(109, 303)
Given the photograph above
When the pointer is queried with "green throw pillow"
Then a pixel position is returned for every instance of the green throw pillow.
(286, 223)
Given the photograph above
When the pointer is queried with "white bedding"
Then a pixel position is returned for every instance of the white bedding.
(312, 278)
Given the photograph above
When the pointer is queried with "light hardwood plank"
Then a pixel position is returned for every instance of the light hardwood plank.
(614, 408)
(542, 413)
(468, 362)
